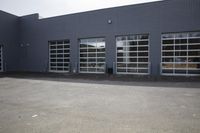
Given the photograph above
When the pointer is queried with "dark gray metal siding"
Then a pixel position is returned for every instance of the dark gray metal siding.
(152, 18)
(9, 39)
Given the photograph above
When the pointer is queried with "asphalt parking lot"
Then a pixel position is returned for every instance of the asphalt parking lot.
(85, 106)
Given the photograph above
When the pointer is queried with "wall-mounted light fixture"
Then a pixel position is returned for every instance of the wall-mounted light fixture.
(109, 21)
(25, 45)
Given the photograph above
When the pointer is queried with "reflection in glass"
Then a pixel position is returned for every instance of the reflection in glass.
(132, 52)
(59, 52)
(91, 54)
(182, 54)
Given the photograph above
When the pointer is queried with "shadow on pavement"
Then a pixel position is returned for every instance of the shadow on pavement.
(124, 80)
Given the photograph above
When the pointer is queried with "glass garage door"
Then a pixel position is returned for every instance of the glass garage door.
(181, 54)
(92, 55)
(1, 58)
(132, 54)
(59, 56)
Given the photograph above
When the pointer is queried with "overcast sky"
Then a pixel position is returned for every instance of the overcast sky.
(49, 8)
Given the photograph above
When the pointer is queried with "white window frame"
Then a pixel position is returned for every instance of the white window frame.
(96, 57)
(50, 58)
(1, 58)
(137, 57)
(174, 56)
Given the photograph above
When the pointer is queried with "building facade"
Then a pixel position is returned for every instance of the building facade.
(158, 38)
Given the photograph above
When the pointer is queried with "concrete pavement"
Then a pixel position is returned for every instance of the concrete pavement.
(85, 106)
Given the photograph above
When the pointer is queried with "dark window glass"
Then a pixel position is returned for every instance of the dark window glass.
(194, 34)
(194, 53)
(143, 43)
(121, 38)
(132, 43)
(193, 47)
(143, 60)
(194, 40)
(83, 60)
(142, 48)
(52, 42)
(134, 48)
(142, 53)
(181, 47)
(95, 48)
(168, 53)
(143, 70)
(121, 65)
(100, 54)
(91, 55)
(53, 51)
(53, 47)
(141, 37)
(100, 65)
(83, 50)
(134, 65)
(101, 50)
(91, 64)
(83, 55)
(180, 53)
(132, 54)
(66, 55)
(66, 69)
(180, 41)
(83, 65)
(180, 59)
(167, 36)
(168, 66)
(92, 69)
(53, 68)
(180, 71)
(58, 53)
(100, 59)
(121, 59)
(60, 46)
(66, 51)
(194, 72)
(168, 60)
(83, 69)
(168, 41)
(91, 59)
(92, 50)
(143, 65)
(83, 45)
(132, 70)
(121, 70)
(168, 47)
(66, 42)
(132, 59)
(132, 37)
(53, 64)
(66, 60)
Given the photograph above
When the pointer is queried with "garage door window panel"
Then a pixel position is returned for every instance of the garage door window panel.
(92, 53)
(132, 51)
(184, 58)
(59, 52)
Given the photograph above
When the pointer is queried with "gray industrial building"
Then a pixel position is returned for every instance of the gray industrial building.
(157, 38)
